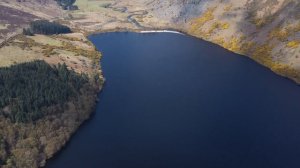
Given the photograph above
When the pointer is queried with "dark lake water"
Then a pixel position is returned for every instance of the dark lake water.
(173, 101)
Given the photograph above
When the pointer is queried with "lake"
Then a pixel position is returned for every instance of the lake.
(174, 101)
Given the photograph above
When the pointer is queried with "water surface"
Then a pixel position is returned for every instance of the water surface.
(173, 101)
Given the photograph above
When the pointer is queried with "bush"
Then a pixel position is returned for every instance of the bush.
(66, 4)
(27, 32)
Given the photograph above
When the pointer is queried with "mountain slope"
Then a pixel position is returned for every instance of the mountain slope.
(268, 31)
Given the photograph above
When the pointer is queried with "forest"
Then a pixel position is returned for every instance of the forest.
(46, 27)
(26, 89)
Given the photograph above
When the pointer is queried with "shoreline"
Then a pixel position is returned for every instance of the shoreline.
(161, 31)
(135, 26)
(146, 30)
(92, 113)
(183, 32)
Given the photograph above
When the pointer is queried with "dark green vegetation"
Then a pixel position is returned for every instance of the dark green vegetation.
(41, 107)
(67, 4)
(3, 153)
(27, 32)
(26, 89)
(46, 27)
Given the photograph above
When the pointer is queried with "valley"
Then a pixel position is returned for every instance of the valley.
(266, 31)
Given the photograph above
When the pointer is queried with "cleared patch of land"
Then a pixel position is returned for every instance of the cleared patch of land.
(72, 49)
(92, 5)
(46, 40)
(10, 55)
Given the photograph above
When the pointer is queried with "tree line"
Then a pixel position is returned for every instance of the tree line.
(46, 27)
(25, 89)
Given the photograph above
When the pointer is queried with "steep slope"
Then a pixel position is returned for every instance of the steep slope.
(267, 31)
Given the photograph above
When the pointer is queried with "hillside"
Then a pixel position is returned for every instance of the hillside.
(17, 14)
(38, 116)
(49, 83)
(267, 31)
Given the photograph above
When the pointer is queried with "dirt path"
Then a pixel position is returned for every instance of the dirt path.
(131, 15)
(134, 21)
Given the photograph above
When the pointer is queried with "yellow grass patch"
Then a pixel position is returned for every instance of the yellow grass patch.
(204, 18)
(92, 5)
(217, 26)
(293, 44)
(280, 33)
(10, 55)
(234, 44)
(46, 40)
